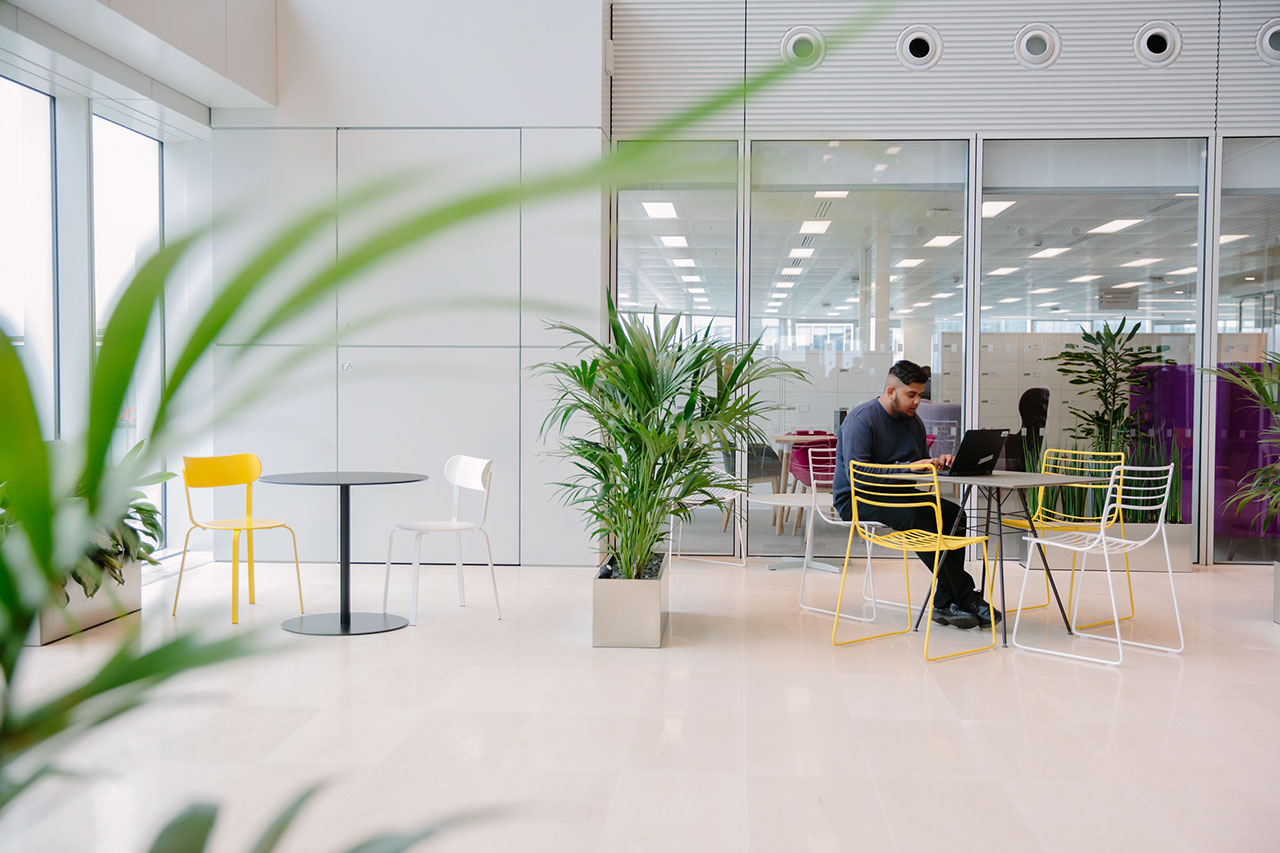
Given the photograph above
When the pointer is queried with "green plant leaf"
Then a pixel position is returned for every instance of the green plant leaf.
(271, 836)
(189, 832)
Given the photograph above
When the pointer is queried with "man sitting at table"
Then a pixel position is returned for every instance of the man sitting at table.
(887, 430)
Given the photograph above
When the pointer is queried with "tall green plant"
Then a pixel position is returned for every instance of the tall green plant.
(1109, 367)
(1262, 388)
(660, 410)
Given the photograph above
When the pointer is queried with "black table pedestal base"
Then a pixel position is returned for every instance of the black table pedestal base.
(330, 624)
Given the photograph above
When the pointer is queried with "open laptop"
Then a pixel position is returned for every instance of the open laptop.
(978, 453)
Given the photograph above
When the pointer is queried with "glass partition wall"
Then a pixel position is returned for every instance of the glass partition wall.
(856, 261)
(1248, 326)
(1080, 236)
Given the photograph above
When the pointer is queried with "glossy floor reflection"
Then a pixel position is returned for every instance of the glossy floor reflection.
(747, 732)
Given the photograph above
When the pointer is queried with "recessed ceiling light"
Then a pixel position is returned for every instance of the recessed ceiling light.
(943, 240)
(835, 143)
(1113, 226)
(1010, 299)
(1043, 290)
(1183, 271)
(1142, 262)
(1004, 270)
(1179, 292)
(802, 253)
(683, 262)
(700, 299)
(831, 194)
(903, 311)
(843, 307)
(893, 149)
(1249, 278)
(921, 304)
(690, 278)
(1128, 284)
(943, 295)
(697, 289)
(1048, 304)
(793, 271)
(852, 299)
(676, 242)
(775, 304)
(995, 208)
(659, 209)
(986, 307)
(879, 167)
(784, 284)
(1086, 278)
(909, 262)
(1231, 238)
(958, 314)
(827, 158)
(960, 286)
(891, 278)
(629, 304)
(771, 310)
(1187, 195)
(1050, 253)
(815, 226)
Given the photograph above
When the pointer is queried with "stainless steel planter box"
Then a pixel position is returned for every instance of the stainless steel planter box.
(110, 602)
(630, 613)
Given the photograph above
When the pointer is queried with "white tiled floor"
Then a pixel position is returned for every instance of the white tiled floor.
(749, 731)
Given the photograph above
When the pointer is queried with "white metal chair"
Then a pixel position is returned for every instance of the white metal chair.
(822, 468)
(462, 472)
(1132, 488)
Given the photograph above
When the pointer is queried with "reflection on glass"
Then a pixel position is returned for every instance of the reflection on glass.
(677, 254)
(126, 230)
(857, 260)
(26, 236)
(1248, 322)
(1078, 235)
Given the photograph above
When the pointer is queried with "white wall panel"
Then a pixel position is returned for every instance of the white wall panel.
(563, 242)
(669, 55)
(1248, 88)
(552, 534)
(251, 45)
(439, 63)
(264, 178)
(479, 260)
(290, 429)
(196, 27)
(410, 409)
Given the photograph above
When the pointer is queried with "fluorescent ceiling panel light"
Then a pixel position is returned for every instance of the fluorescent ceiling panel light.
(629, 304)
(958, 314)
(771, 310)
(909, 262)
(801, 253)
(891, 278)
(676, 242)
(697, 289)
(1010, 299)
(1187, 195)
(1043, 290)
(843, 307)
(852, 299)
(1183, 271)
(793, 271)
(1004, 270)
(943, 295)
(659, 209)
(1113, 226)
(831, 194)
(1230, 238)
(835, 143)
(1086, 278)
(995, 208)
(1128, 284)
(943, 240)
(879, 167)
(683, 262)
(893, 149)
(960, 286)
(1048, 304)
(1050, 253)
(903, 311)
(690, 278)
(784, 284)
(1250, 278)
(815, 226)
(1142, 262)
(701, 299)
(832, 314)
(921, 304)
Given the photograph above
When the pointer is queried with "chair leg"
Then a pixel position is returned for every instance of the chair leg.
(413, 586)
(840, 600)
(182, 565)
(249, 536)
(1017, 620)
(987, 581)
(386, 578)
(297, 567)
(1177, 617)
(493, 578)
(462, 592)
(235, 577)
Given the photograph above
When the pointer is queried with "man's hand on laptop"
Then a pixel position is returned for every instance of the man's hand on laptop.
(943, 462)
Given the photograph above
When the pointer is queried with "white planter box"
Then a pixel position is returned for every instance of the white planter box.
(630, 613)
(110, 602)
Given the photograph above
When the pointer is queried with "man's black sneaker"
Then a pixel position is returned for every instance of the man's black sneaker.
(954, 614)
(975, 605)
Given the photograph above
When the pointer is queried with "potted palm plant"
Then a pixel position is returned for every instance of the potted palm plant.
(659, 408)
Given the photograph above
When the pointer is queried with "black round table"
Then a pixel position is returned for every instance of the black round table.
(343, 622)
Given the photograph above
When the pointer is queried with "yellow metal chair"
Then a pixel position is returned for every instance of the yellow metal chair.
(1089, 497)
(240, 469)
(897, 486)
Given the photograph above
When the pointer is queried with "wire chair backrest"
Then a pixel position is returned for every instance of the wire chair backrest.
(822, 468)
(800, 451)
(1140, 488)
(895, 485)
(1088, 497)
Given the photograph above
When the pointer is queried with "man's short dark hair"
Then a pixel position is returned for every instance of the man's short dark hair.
(909, 373)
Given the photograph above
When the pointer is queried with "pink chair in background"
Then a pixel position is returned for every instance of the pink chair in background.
(801, 475)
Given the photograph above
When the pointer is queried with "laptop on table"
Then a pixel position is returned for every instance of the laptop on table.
(978, 453)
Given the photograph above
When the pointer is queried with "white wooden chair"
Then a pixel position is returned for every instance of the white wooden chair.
(462, 472)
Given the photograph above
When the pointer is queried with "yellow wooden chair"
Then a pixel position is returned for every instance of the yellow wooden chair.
(1089, 496)
(240, 469)
(907, 485)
